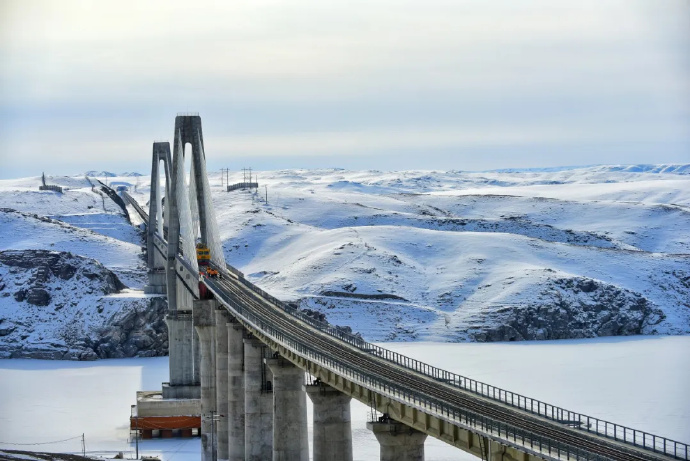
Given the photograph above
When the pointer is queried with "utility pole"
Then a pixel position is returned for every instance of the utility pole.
(250, 175)
(227, 177)
(83, 445)
(223, 170)
(244, 175)
(266, 187)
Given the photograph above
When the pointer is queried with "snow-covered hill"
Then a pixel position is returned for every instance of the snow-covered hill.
(422, 255)
(79, 313)
(499, 255)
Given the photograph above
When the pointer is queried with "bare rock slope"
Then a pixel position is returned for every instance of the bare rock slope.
(56, 305)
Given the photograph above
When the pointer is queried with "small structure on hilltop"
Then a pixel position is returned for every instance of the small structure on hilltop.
(246, 183)
(45, 186)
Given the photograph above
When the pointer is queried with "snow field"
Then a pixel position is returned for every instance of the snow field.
(633, 381)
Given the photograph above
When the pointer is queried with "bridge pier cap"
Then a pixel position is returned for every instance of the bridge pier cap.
(332, 437)
(397, 441)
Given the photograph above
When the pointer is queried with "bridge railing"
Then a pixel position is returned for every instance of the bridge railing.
(496, 430)
(144, 215)
(554, 413)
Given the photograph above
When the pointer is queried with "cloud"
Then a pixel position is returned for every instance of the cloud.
(312, 78)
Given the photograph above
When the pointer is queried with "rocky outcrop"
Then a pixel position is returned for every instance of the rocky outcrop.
(56, 305)
(137, 333)
(570, 308)
(43, 265)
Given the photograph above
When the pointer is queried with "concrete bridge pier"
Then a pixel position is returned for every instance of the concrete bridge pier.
(332, 423)
(398, 442)
(221, 335)
(204, 323)
(258, 403)
(236, 334)
(290, 436)
(180, 337)
(156, 282)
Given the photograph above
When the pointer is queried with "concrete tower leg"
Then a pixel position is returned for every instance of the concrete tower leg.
(157, 278)
(204, 323)
(332, 423)
(222, 382)
(258, 404)
(236, 334)
(290, 436)
(398, 442)
(180, 331)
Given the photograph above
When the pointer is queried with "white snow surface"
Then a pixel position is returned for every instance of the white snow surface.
(446, 254)
(80, 220)
(635, 381)
(455, 249)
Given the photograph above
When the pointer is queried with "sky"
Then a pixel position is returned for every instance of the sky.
(375, 84)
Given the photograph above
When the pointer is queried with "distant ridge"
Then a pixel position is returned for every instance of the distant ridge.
(110, 174)
(667, 168)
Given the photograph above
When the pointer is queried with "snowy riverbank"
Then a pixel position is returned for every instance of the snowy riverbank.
(636, 381)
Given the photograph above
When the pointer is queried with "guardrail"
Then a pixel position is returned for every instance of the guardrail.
(144, 215)
(642, 439)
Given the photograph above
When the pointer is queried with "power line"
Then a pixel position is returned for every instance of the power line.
(42, 443)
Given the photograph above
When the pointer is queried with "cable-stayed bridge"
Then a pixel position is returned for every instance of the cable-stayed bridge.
(244, 355)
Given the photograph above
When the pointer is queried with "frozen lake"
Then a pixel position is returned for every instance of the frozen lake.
(636, 381)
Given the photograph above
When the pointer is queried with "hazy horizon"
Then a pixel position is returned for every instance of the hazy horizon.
(383, 85)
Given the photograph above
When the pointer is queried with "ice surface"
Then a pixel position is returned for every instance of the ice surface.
(635, 381)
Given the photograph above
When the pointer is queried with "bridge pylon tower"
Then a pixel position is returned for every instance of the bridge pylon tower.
(156, 262)
(190, 218)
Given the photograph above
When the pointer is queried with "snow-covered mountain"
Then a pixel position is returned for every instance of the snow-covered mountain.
(412, 255)
(109, 174)
(498, 255)
(99, 174)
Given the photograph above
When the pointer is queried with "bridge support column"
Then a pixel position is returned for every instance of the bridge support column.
(236, 334)
(258, 403)
(180, 337)
(398, 442)
(290, 436)
(332, 423)
(156, 282)
(222, 381)
(204, 323)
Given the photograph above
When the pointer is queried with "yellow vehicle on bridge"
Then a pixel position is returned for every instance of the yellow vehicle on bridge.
(203, 259)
